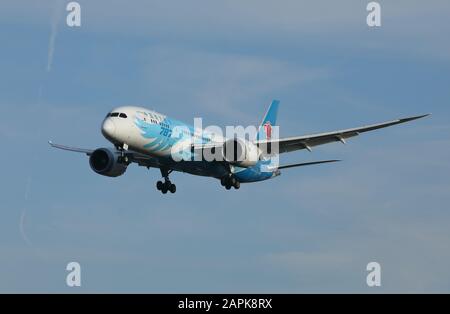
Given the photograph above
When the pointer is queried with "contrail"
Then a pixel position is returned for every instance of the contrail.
(56, 17)
(23, 214)
(22, 230)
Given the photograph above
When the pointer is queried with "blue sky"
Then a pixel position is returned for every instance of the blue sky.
(311, 230)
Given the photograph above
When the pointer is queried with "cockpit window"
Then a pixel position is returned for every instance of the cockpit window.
(117, 114)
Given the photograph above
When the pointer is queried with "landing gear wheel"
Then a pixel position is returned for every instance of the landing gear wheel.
(166, 186)
(230, 181)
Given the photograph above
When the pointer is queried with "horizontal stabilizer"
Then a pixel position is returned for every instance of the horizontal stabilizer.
(307, 164)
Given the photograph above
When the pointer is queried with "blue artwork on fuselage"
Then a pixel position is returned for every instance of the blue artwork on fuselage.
(164, 133)
(159, 132)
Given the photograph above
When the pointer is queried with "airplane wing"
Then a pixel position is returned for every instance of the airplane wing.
(308, 141)
(140, 159)
(72, 149)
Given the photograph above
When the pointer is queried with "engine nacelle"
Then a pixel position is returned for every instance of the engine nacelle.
(240, 153)
(105, 162)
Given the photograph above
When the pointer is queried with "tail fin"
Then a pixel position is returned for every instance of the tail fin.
(270, 119)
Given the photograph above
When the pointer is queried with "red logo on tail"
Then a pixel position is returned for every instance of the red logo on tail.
(268, 130)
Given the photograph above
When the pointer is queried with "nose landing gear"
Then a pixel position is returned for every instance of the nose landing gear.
(123, 158)
(166, 186)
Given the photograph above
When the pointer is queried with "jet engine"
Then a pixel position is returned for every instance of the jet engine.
(240, 153)
(106, 162)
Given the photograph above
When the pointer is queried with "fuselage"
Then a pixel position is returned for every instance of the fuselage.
(156, 135)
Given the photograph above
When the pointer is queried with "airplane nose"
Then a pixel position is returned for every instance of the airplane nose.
(108, 128)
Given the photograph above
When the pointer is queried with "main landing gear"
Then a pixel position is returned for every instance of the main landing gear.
(229, 182)
(166, 186)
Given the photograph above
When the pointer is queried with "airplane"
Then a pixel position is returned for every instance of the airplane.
(148, 138)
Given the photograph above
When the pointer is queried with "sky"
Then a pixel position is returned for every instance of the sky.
(313, 229)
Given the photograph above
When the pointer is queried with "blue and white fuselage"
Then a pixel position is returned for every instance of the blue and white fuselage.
(154, 134)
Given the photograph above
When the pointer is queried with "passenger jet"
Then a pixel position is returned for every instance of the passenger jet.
(148, 138)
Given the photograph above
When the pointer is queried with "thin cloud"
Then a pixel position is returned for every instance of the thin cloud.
(56, 17)
(23, 214)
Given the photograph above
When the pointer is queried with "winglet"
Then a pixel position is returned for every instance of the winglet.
(415, 118)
